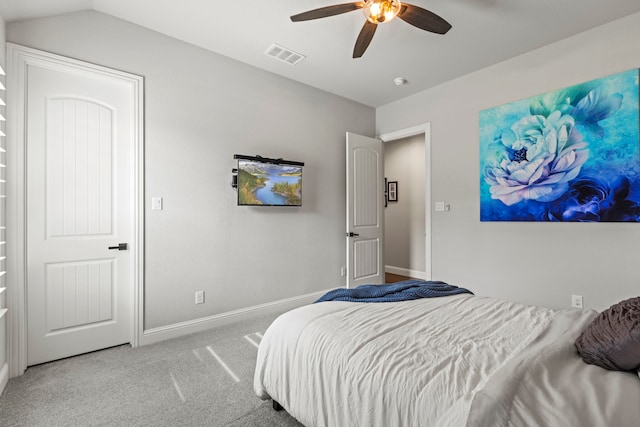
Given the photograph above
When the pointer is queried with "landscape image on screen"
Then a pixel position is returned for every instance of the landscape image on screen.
(269, 184)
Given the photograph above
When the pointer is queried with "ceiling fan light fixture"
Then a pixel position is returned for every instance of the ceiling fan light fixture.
(379, 11)
(376, 12)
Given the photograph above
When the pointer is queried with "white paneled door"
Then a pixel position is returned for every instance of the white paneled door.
(365, 210)
(79, 157)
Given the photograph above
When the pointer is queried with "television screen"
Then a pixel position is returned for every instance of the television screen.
(269, 184)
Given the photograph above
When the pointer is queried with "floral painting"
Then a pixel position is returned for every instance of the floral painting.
(568, 155)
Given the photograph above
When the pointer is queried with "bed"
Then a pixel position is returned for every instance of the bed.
(460, 360)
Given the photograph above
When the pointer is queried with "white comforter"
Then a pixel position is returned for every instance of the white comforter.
(453, 361)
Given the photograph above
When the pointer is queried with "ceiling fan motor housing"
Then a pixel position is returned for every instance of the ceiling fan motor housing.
(379, 11)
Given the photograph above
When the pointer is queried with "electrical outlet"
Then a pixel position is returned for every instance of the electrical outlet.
(576, 301)
(199, 297)
(343, 271)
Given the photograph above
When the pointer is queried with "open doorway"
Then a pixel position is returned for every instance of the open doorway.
(404, 227)
(407, 238)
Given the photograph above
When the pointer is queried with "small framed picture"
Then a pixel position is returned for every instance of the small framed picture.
(392, 191)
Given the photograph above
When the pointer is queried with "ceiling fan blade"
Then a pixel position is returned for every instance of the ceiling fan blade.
(364, 38)
(324, 12)
(423, 19)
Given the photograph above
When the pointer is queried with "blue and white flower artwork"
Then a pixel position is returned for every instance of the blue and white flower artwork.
(568, 155)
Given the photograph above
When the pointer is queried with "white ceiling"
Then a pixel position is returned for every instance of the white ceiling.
(484, 32)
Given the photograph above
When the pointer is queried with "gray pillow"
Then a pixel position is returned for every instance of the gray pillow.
(612, 339)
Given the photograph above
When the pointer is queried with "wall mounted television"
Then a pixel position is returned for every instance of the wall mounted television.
(262, 181)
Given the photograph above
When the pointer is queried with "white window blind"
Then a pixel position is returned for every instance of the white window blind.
(3, 202)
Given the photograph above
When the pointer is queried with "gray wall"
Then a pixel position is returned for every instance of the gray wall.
(538, 263)
(201, 109)
(404, 234)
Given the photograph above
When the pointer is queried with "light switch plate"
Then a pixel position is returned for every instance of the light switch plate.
(156, 203)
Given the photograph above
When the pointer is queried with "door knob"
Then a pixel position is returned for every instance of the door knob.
(352, 234)
(120, 247)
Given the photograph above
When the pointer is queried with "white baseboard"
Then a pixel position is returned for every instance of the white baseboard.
(176, 330)
(405, 272)
(4, 377)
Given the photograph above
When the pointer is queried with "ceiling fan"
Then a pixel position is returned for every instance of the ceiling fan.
(377, 12)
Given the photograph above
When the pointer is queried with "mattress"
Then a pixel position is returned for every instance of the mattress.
(462, 360)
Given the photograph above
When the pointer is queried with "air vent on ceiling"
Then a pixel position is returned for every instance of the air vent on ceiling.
(283, 54)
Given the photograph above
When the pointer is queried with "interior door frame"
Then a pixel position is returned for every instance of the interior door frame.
(19, 58)
(424, 128)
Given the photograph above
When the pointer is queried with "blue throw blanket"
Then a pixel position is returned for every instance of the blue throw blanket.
(400, 291)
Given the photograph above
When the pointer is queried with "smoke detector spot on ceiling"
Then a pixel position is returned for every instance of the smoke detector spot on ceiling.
(399, 81)
(283, 54)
